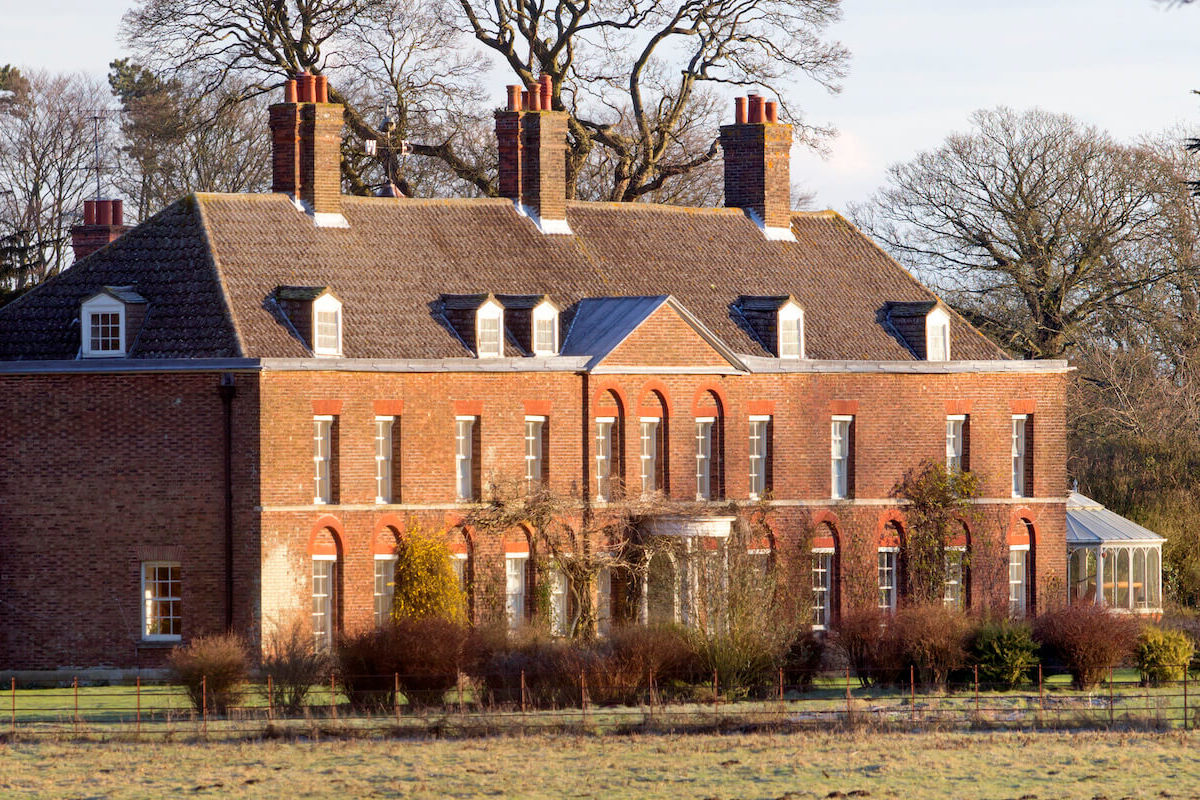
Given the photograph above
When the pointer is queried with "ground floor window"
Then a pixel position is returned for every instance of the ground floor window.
(604, 594)
(822, 588)
(954, 595)
(560, 620)
(324, 601)
(887, 578)
(514, 589)
(161, 588)
(1018, 580)
(1132, 577)
(385, 587)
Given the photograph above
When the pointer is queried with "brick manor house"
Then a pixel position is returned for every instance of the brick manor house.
(229, 414)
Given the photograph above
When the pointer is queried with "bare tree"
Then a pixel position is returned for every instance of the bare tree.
(48, 149)
(1031, 224)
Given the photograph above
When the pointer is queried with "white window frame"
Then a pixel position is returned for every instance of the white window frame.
(545, 313)
(151, 601)
(760, 429)
(839, 462)
(535, 430)
(1018, 590)
(385, 587)
(101, 304)
(326, 304)
(464, 456)
(937, 335)
(516, 588)
(822, 587)
(322, 459)
(384, 430)
(459, 562)
(604, 600)
(323, 634)
(790, 318)
(1019, 455)
(954, 592)
(606, 430)
(956, 425)
(649, 452)
(888, 562)
(704, 455)
(491, 310)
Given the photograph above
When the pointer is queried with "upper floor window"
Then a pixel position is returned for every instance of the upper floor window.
(322, 458)
(103, 321)
(545, 329)
(489, 324)
(791, 331)
(605, 427)
(535, 442)
(759, 432)
(840, 460)
(937, 335)
(327, 326)
(384, 431)
(704, 457)
(464, 461)
(650, 432)
(956, 431)
(1019, 441)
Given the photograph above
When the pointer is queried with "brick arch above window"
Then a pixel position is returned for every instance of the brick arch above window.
(890, 530)
(327, 537)
(387, 536)
(828, 530)
(600, 397)
(1022, 530)
(961, 537)
(650, 390)
(703, 401)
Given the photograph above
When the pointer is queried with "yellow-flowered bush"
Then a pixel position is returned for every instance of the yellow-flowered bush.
(426, 584)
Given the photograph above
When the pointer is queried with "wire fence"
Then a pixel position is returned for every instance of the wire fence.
(461, 705)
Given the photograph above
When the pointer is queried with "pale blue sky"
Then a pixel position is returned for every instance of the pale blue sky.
(920, 67)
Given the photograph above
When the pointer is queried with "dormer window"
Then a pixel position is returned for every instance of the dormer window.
(937, 335)
(327, 326)
(545, 329)
(489, 321)
(107, 321)
(791, 331)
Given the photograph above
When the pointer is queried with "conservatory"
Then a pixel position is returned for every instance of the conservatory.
(1111, 560)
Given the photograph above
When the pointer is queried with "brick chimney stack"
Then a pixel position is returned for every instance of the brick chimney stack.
(102, 225)
(532, 141)
(757, 162)
(306, 144)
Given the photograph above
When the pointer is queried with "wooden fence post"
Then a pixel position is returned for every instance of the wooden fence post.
(139, 705)
(977, 690)
(75, 686)
(270, 698)
(847, 694)
(204, 703)
(1110, 698)
(1185, 697)
(912, 688)
(332, 696)
(396, 695)
(14, 706)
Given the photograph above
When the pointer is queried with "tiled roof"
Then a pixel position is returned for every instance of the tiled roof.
(398, 257)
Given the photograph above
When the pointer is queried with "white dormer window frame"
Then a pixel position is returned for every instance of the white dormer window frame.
(99, 317)
(327, 333)
(790, 326)
(545, 315)
(937, 335)
(486, 314)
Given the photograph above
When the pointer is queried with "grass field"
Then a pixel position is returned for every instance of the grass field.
(744, 766)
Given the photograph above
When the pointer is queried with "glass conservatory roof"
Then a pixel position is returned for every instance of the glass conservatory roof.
(1089, 523)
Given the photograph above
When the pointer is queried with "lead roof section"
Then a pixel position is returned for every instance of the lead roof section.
(208, 265)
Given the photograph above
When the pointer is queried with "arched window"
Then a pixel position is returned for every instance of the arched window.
(661, 600)
(710, 447)
(825, 563)
(610, 447)
(519, 576)
(463, 560)
(652, 438)
(957, 592)
(326, 552)
(889, 566)
(1021, 570)
(386, 542)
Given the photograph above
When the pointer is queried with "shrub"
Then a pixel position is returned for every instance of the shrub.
(1086, 639)
(861, 639)
(550, 668)
(1004, 651)
(425, 583)
(745, 661)
(931, 639)
(213, 669)
(621, 666)
(293, 664)
(804, 659)
(423, 655)
(1162, 655)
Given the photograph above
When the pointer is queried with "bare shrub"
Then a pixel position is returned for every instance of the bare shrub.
(527, 668)
(1086, 639)
(294, 664)
(861, 639)
(423, 656)
(804, 659)
(623, 665)
(931, 639)
(213, 669)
